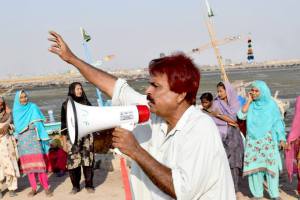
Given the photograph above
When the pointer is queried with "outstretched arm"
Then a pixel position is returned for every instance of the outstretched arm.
(227, 119)
(101, 79)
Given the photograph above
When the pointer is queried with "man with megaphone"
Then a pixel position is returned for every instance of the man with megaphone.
(178, 154)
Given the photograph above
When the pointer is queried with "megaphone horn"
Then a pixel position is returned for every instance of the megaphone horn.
(83, 120)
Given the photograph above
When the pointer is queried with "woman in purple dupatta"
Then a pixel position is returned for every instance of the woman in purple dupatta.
(225, 108)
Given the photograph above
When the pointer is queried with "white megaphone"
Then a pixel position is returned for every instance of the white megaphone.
(83, 120)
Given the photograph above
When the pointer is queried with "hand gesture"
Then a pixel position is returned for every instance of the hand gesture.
(250, 97)
(282, 145)
(4, 129)
(288, 146)
(125, 141)
(8, 110)
(233, 124)
(60, 48)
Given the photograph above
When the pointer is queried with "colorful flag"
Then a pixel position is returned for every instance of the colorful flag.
(85, 36)
(209, 10)
(109, 57)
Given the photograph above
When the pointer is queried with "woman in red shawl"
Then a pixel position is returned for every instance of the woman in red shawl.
(292, 159)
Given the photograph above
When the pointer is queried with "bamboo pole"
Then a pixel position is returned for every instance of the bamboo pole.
(213, 41)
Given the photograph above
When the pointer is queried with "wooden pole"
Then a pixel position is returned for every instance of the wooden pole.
(213, 41)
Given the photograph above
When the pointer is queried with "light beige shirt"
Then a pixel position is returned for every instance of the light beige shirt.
(193, 150)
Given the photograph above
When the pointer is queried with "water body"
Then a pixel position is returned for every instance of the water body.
(287, 81)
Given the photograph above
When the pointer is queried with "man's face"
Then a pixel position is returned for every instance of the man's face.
(221, 93)
(23, 98)
(161, 100)
(206, 104)
(78, 91)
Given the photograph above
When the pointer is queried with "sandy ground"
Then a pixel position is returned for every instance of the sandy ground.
(288, 191)
(108, 186)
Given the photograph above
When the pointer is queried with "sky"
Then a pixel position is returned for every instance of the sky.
(136, 31)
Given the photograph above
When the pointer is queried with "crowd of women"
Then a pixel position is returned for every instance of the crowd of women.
(252, 131)
(26, 147)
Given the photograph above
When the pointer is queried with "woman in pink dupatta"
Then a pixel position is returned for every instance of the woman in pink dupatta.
(292, 154)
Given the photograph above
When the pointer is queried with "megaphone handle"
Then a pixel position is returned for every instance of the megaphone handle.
(117, 151)
(128, 126)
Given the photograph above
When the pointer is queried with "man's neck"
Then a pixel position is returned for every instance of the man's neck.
(176, 115)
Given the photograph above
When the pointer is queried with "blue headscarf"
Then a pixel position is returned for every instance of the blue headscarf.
(23, 115)
(263, 114)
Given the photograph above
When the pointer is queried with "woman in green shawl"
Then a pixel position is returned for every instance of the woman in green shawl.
(265, 133)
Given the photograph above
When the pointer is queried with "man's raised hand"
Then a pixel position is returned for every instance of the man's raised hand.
(60, 48)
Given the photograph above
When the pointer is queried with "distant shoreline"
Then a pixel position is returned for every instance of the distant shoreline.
(66, 78)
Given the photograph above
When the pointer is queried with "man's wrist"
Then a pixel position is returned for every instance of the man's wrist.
(73, 59)
(137, 153)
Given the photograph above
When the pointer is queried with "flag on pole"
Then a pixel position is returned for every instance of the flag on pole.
(85, 36)
(209, 10)
(109, 57)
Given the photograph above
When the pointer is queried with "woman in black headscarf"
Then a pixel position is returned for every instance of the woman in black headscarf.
(82, 153)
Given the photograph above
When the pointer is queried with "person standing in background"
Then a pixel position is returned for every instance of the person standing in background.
(265, 134)
(292, 154)
(33, 141)
(82, 153)
(9, 169)
(226, 106)
(206, 101)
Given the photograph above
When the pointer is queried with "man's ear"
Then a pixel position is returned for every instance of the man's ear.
(181, 97)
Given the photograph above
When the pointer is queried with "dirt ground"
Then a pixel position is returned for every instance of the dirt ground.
(108, 186)
(288, 191)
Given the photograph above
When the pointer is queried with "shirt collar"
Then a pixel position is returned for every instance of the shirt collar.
(184, 118)
(181, 122)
